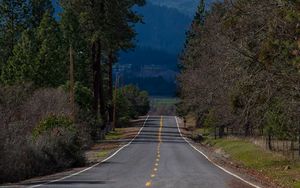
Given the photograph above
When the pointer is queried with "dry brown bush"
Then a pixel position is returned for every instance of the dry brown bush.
(23, 156)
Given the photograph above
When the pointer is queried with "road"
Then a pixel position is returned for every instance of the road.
(158, 157)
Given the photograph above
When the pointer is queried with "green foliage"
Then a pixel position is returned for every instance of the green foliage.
(139, 103)
(244, 64)
(52, 123)
(52, 69)
(210, 120)
(37, 57)
(34, 49)
(276, 122)
(13, 20)
(254, 157)
(199, 18)
(83, 95)
(131, 102)
(21, 66)
(38, 9)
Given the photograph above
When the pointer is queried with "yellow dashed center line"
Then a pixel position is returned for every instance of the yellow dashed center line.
(156, 164)
(148, 184)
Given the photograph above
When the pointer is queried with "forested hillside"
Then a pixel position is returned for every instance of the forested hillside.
(187, 7)
(240, 70)
(159, 40)
(163, 29)
(56, 81)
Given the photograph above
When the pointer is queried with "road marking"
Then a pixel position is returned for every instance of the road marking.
(111, 156)
(148, 184)
(228, 172)
(156, 164)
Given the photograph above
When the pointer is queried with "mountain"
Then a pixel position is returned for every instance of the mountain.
(187, 7)
(164, 28)
(152, 66)
(142, 56)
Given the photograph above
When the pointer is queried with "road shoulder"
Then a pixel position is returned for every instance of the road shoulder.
(94, 155)
(223, 160)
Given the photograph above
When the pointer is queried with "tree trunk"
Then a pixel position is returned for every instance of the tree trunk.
(110, 83)
(247, 129)
(115, 103)
(72, 83)
(299, 143)
(96, 77)
(221, 131)
(100, 83)
(270, 140)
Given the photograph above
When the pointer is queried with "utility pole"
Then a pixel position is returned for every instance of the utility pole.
(115, 102)
(72, 83)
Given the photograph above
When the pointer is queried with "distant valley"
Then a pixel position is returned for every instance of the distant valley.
(159, 43)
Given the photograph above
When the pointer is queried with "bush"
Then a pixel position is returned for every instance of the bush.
(210, 121)
(83, 95)
(138, 103)
(37, 136)
(57, 149)
(123, 121)
(53, 122)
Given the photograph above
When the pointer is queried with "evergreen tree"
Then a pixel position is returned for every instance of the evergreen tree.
(38, 9)
(200, 15)
(119, 33)
(13, 20)
(52, 70)
(71, 32)
(21, 66)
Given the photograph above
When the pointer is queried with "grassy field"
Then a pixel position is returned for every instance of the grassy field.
(114, 135)
(280, 169)
(163, 101)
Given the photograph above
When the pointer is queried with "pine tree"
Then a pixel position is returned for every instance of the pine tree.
(71, 31)
(200, 15)
(120, 34)
(37, 10)
(13, 21)
(51, 67)
(21, 65)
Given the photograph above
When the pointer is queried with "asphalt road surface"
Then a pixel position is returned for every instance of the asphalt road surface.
(158, 157)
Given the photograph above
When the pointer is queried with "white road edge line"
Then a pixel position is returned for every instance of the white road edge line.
(115, 153)
(228, 172)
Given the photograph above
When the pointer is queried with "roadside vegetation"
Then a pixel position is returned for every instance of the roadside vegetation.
(163, 106)
(240, 72)
(239, 81)
(56, 82)
(273, 166)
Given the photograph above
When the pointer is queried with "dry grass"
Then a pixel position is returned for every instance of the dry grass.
(114, 140)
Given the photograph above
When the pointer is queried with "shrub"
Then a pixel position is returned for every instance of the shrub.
(210, 121)
(53, 123)
(57, 149)
(123, 121)
(37, 137)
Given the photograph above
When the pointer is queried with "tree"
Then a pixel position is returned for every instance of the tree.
(37, 10)
(71, 30)
(13, 21)
(120, 20)
(51, 70)
(242, 60)
(105, 24)
(21, 65)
